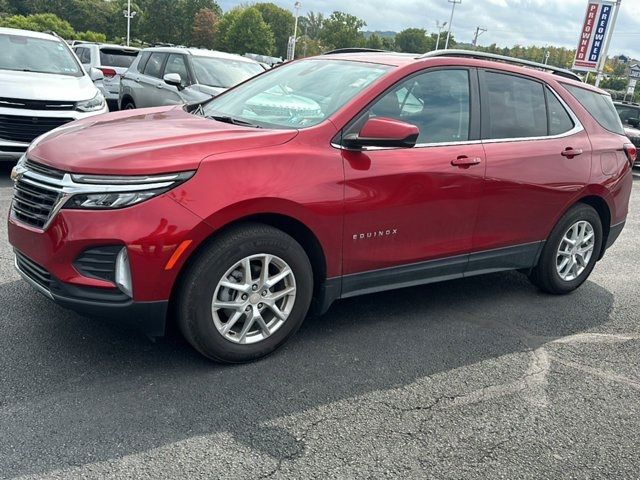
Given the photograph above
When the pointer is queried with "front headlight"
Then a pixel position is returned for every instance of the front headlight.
(109, 192)
(96, 103)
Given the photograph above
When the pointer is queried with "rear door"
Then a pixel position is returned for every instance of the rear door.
(412, 205)
(538, 159)
(150, 79)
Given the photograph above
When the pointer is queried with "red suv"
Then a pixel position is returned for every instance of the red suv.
(326, 178)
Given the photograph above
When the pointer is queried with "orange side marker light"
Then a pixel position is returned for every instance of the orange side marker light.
(177, 254)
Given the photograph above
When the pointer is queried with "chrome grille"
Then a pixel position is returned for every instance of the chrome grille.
(36, 194)
(25, 104)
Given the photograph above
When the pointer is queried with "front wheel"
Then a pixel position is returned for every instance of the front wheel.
(245, 294)
(571, 251)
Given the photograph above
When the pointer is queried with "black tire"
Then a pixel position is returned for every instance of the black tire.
(545, 275)
(206, 269)
(129, 105)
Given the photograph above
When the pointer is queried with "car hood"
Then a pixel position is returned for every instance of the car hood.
(45, 86)
(146, 141)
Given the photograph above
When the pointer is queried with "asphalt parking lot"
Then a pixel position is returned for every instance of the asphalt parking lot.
(478, 378)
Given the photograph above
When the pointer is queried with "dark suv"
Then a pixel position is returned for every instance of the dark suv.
(326, 178)
(630, 116)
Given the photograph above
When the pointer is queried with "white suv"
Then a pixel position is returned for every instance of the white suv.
(42, 86)
(112, 61)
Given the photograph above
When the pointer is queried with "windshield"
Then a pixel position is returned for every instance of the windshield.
(28, 54)
(222, 72)
(113, 57)
(301, 94)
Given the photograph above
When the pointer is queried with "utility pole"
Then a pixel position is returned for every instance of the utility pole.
(453, 7)
(439, 27)
(292, 52)
(603, 58)
(479, 31)
(129, 15)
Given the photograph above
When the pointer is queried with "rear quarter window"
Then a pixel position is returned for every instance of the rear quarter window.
(599, 106)
(111, 57)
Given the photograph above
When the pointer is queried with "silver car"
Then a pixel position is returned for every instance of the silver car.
(174, 75)
(112, 60)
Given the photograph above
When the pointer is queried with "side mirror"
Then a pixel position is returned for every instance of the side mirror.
(173, 79)
(383, 132)
(634, 122)
(95, 74)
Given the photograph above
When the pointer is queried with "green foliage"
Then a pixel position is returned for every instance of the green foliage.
(311, 25)
(615, 83)
(248, 33)
(224, 25)
(90, 36)
(342, 30)
(205, 24)
(414, 40)
(374, 41)
(281, 22)
(40, 22)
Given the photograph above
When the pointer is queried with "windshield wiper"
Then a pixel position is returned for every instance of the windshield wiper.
(232, 120)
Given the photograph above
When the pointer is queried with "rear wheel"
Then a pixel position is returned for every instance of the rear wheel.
(571, 252)
(245, 294)
(129, 105)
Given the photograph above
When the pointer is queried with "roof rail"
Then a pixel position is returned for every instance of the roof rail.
(355, 50)
(563, 72)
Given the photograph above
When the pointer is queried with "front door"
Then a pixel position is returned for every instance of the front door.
(407, 207)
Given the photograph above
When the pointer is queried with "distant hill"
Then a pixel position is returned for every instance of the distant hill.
(381, 34)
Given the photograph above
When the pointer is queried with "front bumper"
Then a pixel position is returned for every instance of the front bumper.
(11, 150)
(148, 317)
(151, 232)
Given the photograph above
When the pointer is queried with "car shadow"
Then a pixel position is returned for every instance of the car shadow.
(98, 392)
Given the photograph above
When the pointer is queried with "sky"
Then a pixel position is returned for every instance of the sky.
(508, 22)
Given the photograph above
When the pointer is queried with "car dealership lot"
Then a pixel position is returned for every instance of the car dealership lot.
(479, 378)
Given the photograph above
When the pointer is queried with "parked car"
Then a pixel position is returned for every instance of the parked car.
(42, 86)
(630, 115)
(175, 75)
(244, 213)
(112, 61)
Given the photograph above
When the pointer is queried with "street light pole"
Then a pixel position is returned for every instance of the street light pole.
(297, 6)
(439, 27)
(129, 15)
(453, 7)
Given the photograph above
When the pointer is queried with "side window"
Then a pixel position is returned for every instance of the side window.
(153, 68)
(437, 102)
(144, 58)
(83, 55)
(514, 107)
(599, 106)
(559, 120)
(176, 64)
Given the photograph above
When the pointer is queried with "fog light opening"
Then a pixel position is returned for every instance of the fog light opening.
(123, 273)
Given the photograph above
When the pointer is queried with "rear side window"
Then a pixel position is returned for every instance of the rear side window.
(153, 68)
(515, 107)
(144, 58)
(84, 55)
(559, 120)
(111, 57)
(599, 106)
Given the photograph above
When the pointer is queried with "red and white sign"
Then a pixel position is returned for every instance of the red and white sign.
(594, 35)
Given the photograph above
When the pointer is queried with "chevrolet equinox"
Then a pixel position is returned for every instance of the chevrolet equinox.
(335, 176)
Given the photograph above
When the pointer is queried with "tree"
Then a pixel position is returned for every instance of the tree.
(374, 41)
(90, 36)
(224, 26)
(341, 30)
(188, 9)
(250, 34)
(389, 43)
(413, 40)
(311, 25)
(281, 23)
(158, 22)
(40, 22)
(203, 33)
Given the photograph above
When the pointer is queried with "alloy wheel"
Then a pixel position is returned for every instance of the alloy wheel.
(575, 250)
(254, 298)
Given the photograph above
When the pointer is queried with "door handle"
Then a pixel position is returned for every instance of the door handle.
(137, 79)
(571, 152)
(159, 85)
(465, 162)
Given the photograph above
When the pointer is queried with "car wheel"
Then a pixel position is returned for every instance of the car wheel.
(571, 251)
(245, 294)
(129, 105)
